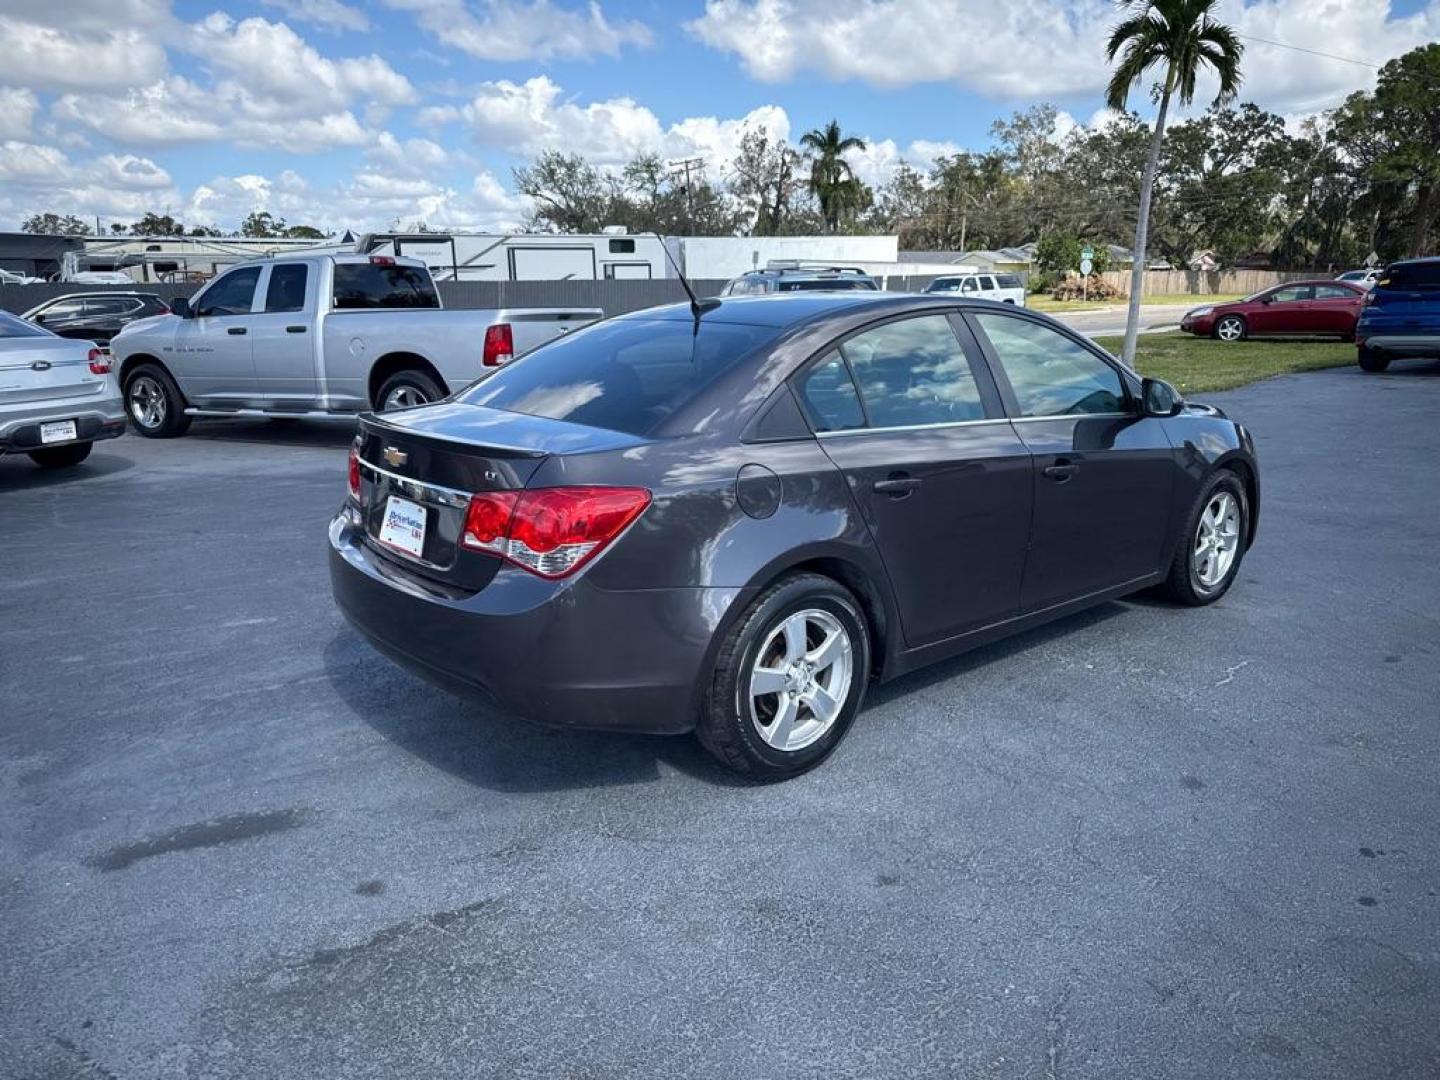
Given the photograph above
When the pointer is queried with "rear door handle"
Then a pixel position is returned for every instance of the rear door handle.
(236, 330)
(294, 329)
(1061, 471)
(897, 486)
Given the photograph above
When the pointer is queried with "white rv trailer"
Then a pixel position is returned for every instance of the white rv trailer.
(525, 256)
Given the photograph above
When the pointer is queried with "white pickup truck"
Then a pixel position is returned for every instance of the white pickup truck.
(316, 335)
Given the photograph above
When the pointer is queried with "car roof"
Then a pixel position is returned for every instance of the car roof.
(796, 308)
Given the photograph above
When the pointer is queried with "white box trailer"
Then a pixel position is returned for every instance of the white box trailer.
(525, 256)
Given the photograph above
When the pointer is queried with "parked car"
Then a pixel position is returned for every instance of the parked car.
(99, 277)
(732, 523)
(1401, 317)
(782, 276)
(96, 316)
(1324, 308)
(1007, 288)
(10, 277)
(1364, 278)
(317, 335)
(57, 396)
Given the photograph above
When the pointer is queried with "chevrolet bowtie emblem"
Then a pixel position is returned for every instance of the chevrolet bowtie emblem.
(394, 456)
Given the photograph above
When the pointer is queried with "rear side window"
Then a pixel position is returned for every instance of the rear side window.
(286, 291)
(630, 375)
(231, 294)
(110, 307)
(1335, 292)
(374, 285)
(830, 395)
(913, 371)
(1050, 374)
(1416, 277)
(1292, 293)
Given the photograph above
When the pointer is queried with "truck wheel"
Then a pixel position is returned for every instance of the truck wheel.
(61, 457)
(406, 390)
(154, 403)
(1370, 360)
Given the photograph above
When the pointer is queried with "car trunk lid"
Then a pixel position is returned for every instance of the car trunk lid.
(38, 369)
(419, 469)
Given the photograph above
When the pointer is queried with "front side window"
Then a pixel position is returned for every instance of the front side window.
(1292, 294)
(65, 309)
(286, 291)
(1050, 374)
(829, 393)
(383, 285)
(230, 295)
(913, 371)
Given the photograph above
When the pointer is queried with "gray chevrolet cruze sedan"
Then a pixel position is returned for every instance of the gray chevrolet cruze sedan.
(731, 517)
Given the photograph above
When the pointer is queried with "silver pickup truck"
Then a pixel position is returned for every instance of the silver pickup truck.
(316, 335)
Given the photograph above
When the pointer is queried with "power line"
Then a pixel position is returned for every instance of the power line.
(1310, 52)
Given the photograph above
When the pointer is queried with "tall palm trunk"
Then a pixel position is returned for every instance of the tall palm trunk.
(1142, 226)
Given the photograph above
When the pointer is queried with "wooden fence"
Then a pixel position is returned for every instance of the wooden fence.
(1203, 282)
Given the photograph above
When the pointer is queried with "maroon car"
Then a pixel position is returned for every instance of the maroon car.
(1325, 308)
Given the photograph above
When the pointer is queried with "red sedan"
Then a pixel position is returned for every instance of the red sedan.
(1300, 308)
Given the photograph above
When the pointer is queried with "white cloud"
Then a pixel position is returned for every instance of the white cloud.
(877, 163)
(511, 30)
(17, 112)
(329, 15)
(35, 178)
(48, 58)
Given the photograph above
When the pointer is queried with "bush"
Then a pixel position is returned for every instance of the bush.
(1072, 289)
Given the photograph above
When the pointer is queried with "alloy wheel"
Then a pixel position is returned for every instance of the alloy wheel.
(1217, 541)
(1230, 329)
(147, 402)
(800, 679)
(404, 397)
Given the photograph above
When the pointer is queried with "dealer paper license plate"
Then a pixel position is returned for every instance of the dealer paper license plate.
(404, 526)
(57, 431)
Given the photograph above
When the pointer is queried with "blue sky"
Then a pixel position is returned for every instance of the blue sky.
(365, 113)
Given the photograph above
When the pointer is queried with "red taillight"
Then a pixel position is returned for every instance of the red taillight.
(354, 474)
(499, 345)
(99, 362)
(381, 260)
(164, 309)
(551, 532)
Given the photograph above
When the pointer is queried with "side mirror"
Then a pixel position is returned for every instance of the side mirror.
(39, 320)
(181, 306)
(1159, 398)
(1267, 299)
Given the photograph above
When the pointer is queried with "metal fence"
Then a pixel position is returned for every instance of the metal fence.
(611, 297)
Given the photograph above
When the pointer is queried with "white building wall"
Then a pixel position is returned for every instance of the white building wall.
(730, 256)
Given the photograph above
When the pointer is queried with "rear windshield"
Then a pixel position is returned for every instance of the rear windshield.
(826, 284)
(11, 327)
(1417, 276)
(629, 375)
(369, 285)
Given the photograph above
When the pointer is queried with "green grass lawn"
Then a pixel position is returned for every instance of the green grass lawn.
(1051, 305)
(1195, 365)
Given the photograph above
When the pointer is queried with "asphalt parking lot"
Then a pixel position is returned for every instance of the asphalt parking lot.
(1144, 842)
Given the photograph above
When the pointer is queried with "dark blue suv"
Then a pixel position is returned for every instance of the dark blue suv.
(1401, 316)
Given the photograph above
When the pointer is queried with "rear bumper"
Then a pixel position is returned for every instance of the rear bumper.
(1403, 345)
(94, 420)
(562, 654)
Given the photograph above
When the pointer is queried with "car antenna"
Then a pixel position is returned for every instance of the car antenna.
(698, 307)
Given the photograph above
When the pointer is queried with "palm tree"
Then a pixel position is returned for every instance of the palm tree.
(831, 180)
(1182, 37)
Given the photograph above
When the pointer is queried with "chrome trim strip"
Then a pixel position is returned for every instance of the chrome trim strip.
(912, 427)
(447, 495)
(1074, 416)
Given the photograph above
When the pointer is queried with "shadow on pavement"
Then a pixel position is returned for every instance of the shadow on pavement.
(280, 432)
(483, 746)
(19, 473)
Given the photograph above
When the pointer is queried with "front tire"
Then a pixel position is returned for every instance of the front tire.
(1230, 329)
(154, 404)
(1211, 543)
(407, 390)
(61, 457)
(1370, 360)
(788, 681)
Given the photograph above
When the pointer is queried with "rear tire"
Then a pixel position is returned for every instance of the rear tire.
(153, 403)
(1210, 532)
(1370, 360)
(407, 390)
(804, 636)
(61, 457)
(1230, 329)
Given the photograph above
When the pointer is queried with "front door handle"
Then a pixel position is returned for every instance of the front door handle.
(294, 329)
(236, 330)
(1061, 471)
(897, 487)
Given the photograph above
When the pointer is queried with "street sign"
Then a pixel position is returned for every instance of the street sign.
(1086, 266)
(1087, 254)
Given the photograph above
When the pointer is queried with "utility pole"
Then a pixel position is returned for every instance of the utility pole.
(688, 165)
